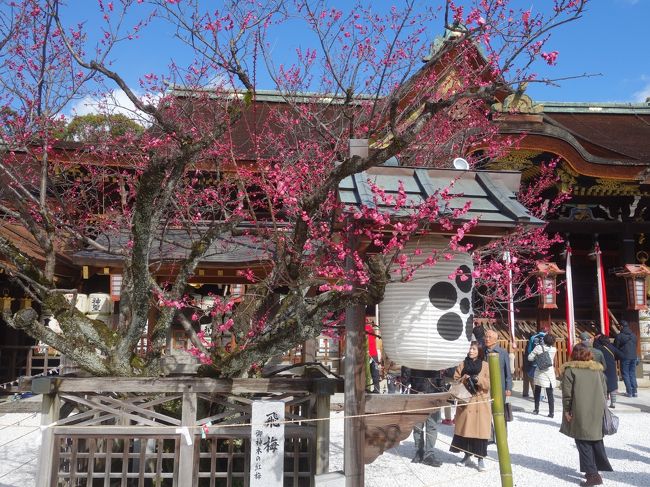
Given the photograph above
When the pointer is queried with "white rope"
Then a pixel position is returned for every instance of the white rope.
(17, 468)
(17, 423)
(6, 385)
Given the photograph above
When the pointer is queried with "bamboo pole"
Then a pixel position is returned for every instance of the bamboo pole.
(496, 390)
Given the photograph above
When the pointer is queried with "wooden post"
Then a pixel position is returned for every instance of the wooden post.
(543, 319)
(324, 388)
(309, 350)
(354, 370)
(30, 358)
(355, 378)
(186, 454)
(50, 413)
(496, 391)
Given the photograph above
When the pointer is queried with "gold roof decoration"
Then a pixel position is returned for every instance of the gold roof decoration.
(517, 160)
(518, 103)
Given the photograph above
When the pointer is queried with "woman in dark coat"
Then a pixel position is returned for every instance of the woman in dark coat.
(611, 354)
(584, 398)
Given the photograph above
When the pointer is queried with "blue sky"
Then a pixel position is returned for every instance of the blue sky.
(612, 39)
(609, 42)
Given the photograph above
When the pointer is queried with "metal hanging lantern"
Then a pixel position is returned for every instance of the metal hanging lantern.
(635, 283)
(427, 323)
(547, 273)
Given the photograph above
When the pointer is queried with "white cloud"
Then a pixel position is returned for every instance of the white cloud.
(113, 102)
(643, 94)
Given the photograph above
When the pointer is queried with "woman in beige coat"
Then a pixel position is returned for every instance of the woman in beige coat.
(474, 419)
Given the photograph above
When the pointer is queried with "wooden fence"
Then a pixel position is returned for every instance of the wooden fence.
(519, 351)
(27, 360)
(186, 431)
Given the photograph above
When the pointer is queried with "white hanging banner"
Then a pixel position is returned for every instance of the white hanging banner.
(267, 444)
(570, 316)
(511, 297)
(602, 292)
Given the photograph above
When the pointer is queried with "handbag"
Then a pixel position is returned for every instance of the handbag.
(610, 422)
(543, 360)
(507, 411)
(459, 392)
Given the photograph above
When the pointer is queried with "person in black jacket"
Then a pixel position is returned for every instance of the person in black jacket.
(626, 342)
(611, 354)
(425, 382)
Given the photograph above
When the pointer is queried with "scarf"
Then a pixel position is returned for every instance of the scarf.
(471, 366)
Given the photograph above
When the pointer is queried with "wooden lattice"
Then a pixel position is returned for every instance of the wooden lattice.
(175, 433)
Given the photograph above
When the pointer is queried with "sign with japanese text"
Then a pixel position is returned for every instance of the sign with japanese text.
(267, 444)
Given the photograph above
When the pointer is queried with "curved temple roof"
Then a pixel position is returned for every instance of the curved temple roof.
(491, 193)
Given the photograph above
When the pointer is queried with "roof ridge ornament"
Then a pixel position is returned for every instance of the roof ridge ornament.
(518, 102)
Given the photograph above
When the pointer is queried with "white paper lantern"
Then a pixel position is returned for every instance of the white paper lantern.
(82, 301)
(427, 323)
(100, 303)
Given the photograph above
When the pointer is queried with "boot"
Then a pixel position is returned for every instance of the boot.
(418, 456)
(431, 461)
(466, 461)
(592, 479)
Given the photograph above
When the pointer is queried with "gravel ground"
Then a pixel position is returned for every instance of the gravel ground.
(540, 455)
(20, 440)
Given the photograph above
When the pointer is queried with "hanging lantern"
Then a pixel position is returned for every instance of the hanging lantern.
(100, 307)
(427, 323)
(547, 273)
(116, 286)
(635, 283)
(81, 302)
(6, 300)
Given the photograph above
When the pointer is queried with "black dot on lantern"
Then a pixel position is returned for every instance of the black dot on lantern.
(464, 305)
(464, 285)
(443, 295)
(450, 326)
(469, 327)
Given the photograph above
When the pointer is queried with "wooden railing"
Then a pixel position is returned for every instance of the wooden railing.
(175, 432)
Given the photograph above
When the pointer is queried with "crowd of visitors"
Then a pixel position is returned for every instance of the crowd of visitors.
(588, 382)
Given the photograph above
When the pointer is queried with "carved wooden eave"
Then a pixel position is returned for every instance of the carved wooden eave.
(580, 135)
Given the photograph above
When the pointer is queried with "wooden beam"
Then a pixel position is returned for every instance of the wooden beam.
(590, 227)
(45, 385)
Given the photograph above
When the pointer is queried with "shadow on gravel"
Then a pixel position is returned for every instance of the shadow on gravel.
(548, 468)
(642, 448)
(630, 478)
(618, 454)
(539, 419)
(406, 450)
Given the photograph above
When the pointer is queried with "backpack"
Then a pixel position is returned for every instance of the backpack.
(543, 360)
